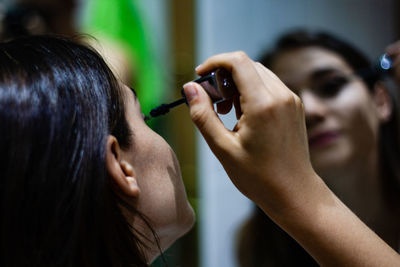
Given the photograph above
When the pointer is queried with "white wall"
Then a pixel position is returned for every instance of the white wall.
(251, 25)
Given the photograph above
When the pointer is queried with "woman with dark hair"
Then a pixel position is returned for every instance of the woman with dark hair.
(84, 181)
(353, 137)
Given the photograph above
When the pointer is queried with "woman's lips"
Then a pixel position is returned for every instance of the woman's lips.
(322, 139)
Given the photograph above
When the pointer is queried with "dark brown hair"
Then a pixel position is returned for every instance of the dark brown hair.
(58, 103)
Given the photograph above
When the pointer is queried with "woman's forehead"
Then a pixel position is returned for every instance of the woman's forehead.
(298, 64)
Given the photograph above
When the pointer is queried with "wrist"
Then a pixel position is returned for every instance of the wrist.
(300, 201)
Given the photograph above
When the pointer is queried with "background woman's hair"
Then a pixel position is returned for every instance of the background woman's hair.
(302, 38)
(58, 103)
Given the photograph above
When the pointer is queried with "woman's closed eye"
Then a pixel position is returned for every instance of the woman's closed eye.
(330, 86)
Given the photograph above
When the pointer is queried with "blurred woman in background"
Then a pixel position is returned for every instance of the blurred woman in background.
(353, 137)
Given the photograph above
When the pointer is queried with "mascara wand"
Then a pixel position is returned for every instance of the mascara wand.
(164, 109)
(218, 84)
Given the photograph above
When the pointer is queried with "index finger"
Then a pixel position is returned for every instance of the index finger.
(244, 73)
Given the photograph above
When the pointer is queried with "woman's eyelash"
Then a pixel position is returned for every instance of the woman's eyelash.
(332, 85)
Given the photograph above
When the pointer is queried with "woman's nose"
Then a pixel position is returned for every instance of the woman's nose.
(314, 107)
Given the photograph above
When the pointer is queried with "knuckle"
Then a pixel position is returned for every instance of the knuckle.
(240, 56)
(263, 108)
(285, 102)
(259, 64)
(261, 68)
(199, 116)
(298, 101)
(289, 100)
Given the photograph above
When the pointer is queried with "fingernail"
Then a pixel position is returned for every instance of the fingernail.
(198, 67)
(190, 91)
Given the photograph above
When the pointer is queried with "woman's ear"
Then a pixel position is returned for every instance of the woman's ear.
(120, 171)
(383, 102)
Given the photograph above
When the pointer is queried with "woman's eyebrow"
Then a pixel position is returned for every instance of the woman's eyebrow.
(324, 72)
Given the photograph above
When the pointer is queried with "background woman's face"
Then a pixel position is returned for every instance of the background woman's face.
(341, 116)
(162, 196)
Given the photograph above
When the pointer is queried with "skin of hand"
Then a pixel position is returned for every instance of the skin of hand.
(267, 150)
(393, 51)
(266, 157)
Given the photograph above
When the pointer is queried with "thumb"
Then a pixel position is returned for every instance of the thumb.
(204, 117)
